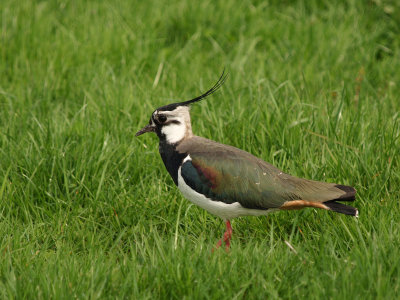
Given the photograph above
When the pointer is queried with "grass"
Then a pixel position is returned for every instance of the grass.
(88, 211)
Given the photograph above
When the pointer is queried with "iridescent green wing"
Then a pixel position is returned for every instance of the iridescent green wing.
(227, 174)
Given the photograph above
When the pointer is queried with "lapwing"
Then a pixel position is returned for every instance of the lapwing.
(229, 182)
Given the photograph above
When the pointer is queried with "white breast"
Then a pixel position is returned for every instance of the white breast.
(218, 208)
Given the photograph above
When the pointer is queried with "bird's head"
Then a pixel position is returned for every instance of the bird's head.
(172, 122)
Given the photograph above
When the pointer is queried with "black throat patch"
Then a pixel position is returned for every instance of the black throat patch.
(172, 158)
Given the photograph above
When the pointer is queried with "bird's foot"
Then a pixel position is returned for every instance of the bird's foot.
(227, 237)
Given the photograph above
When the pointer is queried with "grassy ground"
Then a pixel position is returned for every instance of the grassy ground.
(88, 211)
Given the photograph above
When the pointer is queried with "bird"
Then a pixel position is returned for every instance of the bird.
(229, 182)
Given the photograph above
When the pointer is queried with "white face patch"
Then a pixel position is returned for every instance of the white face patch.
(177, 125)
(174, 132)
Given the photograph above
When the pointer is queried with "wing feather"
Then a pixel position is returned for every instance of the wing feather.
(227, 174)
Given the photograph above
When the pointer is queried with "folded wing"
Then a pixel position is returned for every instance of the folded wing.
(227, 174)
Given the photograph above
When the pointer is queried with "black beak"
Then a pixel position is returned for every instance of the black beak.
(147, 128)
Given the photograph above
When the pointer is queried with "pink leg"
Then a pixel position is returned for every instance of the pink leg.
(227, 237)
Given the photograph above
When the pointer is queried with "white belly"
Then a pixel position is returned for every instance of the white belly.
(218, 208)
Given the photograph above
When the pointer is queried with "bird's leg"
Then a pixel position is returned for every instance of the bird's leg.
(227, 237)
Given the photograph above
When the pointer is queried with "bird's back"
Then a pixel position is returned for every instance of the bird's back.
(228, 174)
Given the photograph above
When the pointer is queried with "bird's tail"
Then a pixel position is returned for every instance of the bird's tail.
(341, 208)
(349, 196)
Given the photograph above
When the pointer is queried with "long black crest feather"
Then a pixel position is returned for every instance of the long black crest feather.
(215, 87)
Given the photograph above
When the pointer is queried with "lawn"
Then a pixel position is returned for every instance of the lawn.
(88, 211)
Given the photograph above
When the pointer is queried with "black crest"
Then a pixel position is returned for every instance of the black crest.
(215, 87)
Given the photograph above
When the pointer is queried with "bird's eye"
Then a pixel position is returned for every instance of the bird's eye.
(162, 118)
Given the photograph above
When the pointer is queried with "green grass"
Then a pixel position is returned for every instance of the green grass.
(88, 211)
